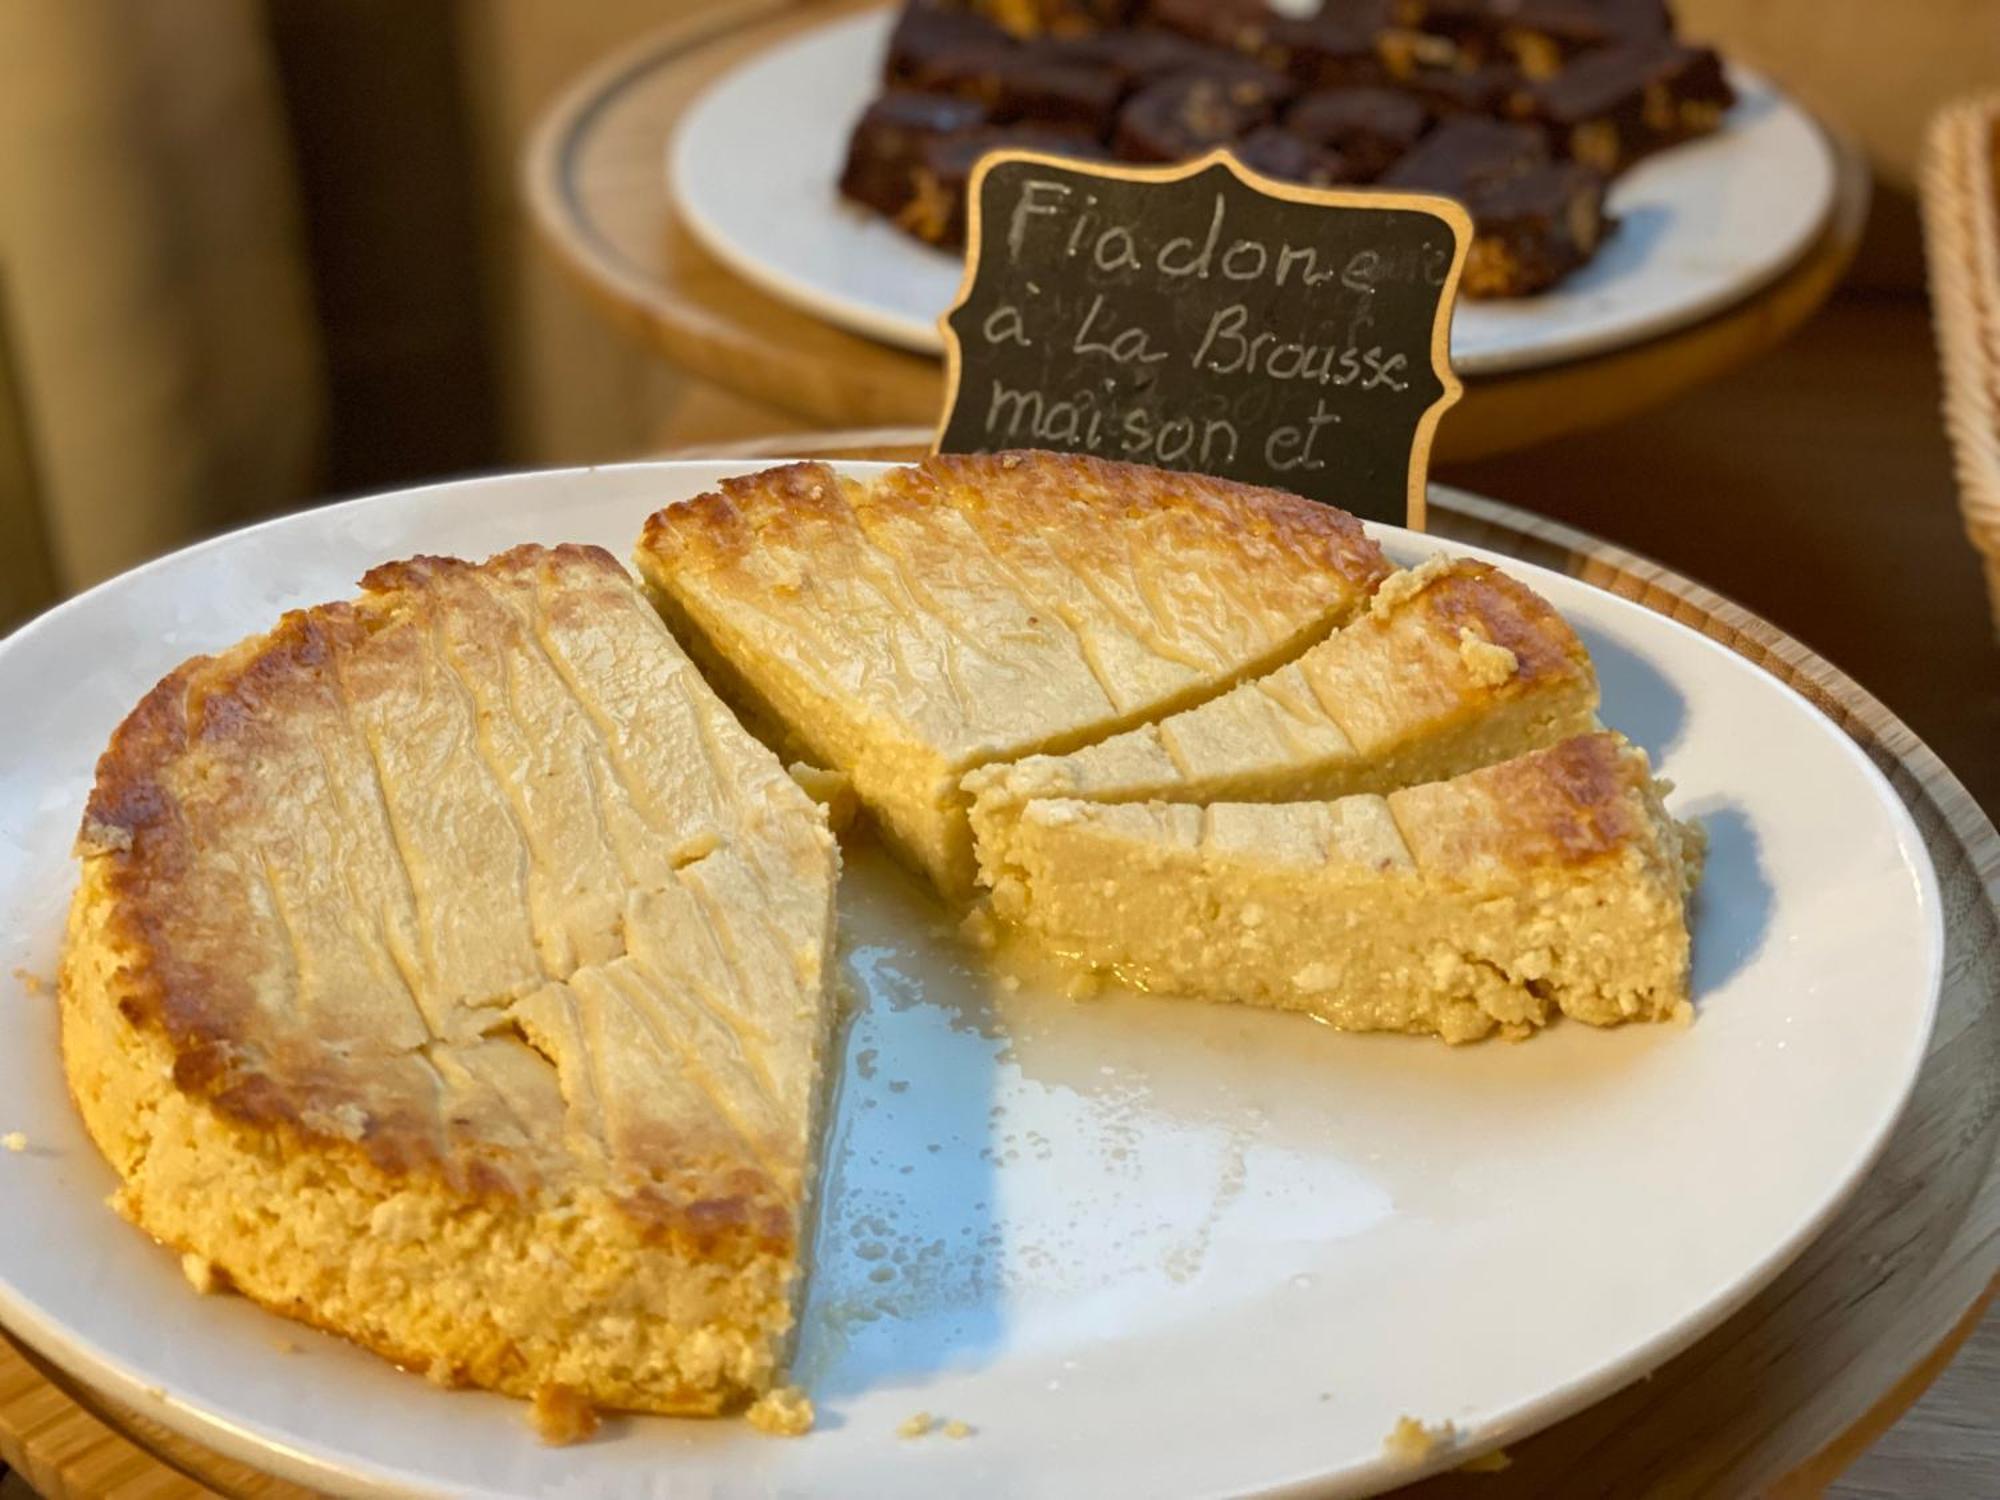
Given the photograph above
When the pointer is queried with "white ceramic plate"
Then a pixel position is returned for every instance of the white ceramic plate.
(754, 162)
(1145, 1249)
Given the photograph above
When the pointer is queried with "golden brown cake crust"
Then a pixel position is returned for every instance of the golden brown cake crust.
(177, 936)
(1572, 804)
(1302, 539)
(1292, 543)
(449, 970)
(1477, 596)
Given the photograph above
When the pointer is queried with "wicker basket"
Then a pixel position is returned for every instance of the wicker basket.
(1961, 193)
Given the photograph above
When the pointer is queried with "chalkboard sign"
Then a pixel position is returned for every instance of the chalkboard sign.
(1206, 317)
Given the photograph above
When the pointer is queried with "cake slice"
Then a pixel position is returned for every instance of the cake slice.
(1454, 666)
(972, 610)
(451, 971)
(1554, 883)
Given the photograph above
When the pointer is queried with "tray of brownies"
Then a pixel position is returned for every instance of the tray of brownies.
(1623, 180)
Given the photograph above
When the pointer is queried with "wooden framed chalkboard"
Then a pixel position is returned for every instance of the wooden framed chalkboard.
(1206, 317)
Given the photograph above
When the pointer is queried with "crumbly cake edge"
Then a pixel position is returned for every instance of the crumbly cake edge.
(1672, 846)
(266, 1204)
(115, 1032)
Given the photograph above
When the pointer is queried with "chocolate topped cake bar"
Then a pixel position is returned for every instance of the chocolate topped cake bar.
(1242, 26)
(1340, 46)
(1611, 107)
(1486, 89)
(1534, 219)
(1467, 152)
(929, 35)
(1280, 154)
(1371, 128)
(937, 209)
(1539, 36)
(1034, 83)
(1032, 18)
(1186, 114)
(888, 143)
(1137, 55)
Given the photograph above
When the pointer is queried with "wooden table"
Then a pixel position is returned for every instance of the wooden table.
(595, 184)
(1778, 1400)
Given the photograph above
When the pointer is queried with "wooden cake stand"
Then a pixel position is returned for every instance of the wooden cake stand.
(595, 182)
(1776, 1401)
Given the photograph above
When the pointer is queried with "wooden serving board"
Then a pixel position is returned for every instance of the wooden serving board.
(1777, 1401)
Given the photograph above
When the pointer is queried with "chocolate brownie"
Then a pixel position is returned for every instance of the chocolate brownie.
(1531, 230)
(1186, 114)
(888, 141)
(1031, 18)
(1468, 150)
(1487, 89)
(1138, 55)
(1611, 107)
(1342, 45)
(937, 209)
(1539, 36)
(1534, 219)
(1280, 154)
(928, 35)
(1371, 128)
(1242, 26)
(1038, 83)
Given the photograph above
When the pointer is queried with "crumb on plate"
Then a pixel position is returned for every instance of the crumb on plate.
(784, 1412)
(915, 1425)
(1084, 985)
(13, 1140)
(1412, 1442)
(201, 1273)
(1487, 1463)
(957, 1429)
(980, 929)
(560, 1415)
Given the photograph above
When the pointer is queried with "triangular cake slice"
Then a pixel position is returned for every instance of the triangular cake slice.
(1551, 883)
(450, 970)
(1454, 666)
(971, 610)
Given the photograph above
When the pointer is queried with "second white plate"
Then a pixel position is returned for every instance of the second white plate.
(753, 165)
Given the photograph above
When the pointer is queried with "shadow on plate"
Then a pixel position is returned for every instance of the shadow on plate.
(1734, 904)
(1630, 245)
(1639, 700)
(903, 1281)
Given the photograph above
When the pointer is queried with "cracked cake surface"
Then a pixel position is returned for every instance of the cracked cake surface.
(1453, 666)
(973, 609)
(449, 969)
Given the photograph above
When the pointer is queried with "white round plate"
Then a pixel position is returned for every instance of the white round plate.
(1143, 1248)
(753, 164)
